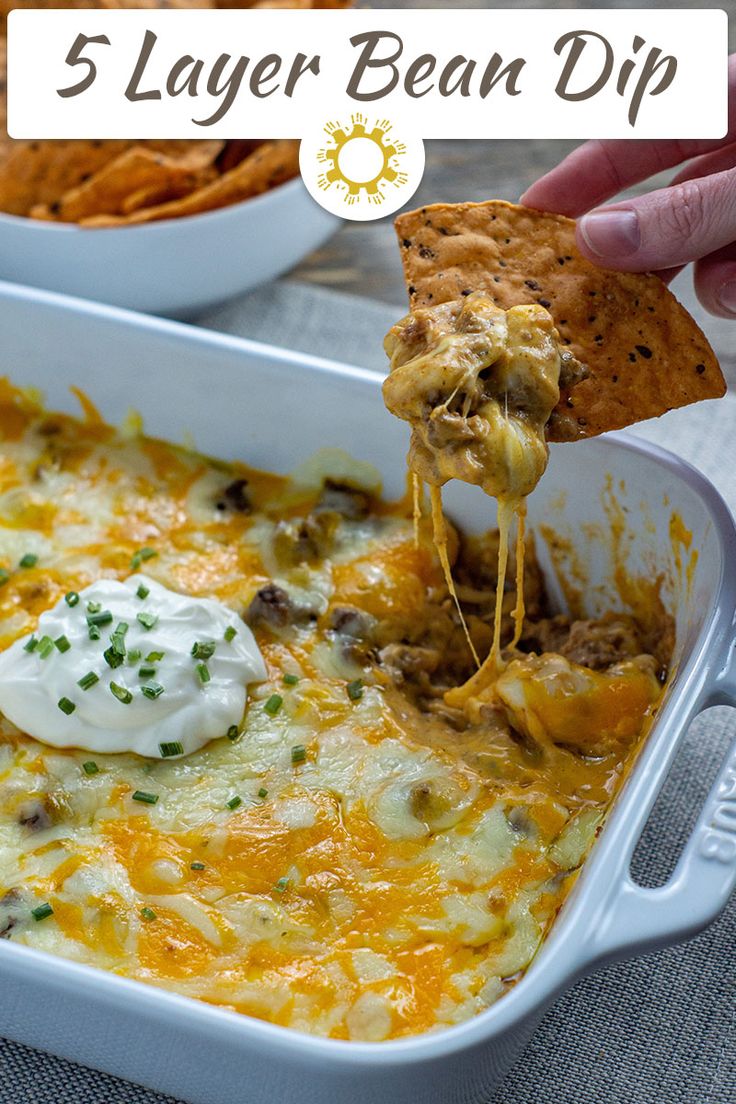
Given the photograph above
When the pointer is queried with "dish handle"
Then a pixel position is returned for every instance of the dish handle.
(636, 918)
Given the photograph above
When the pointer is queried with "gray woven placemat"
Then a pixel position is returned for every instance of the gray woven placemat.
(659, 1030)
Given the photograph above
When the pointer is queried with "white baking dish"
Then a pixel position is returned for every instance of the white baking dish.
(272, 408)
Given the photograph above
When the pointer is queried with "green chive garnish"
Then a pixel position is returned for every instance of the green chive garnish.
(230, 633)
(94, 607)
(148, 913)
(234, 802)
(298, 754)
(4, 576)
(204, 673)
(29, 560)
(273, 704)
(355, 690)
(42, 912)
(90, 767)
(147, 620)
(146, 672)
(71, 598)
(232, 733)
(121, 693)
(99, 617)
(45, 647)
(142, 591)
(30, 645)
(154, 657)
(152, 690)
(113, 658)
(66, 706)
(62, 643)
(134, 654)
(145, 798)
(94, 632)
(290, 680)
(141, 556)
(197, 866)
(117, 638)
(203, 649)
(87, 681)
(281, 886)
(263, 792)
(171, 749)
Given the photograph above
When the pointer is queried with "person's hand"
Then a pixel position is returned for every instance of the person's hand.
(692, 220)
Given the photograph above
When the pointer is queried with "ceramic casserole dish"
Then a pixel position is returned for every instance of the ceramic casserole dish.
(272, 409)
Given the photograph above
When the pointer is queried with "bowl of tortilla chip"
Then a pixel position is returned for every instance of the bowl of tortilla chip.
(168, 227)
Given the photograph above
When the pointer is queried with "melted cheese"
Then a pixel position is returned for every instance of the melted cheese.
(353, 864)
(477, 384)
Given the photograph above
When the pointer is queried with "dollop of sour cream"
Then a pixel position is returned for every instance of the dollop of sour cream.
(131, 667)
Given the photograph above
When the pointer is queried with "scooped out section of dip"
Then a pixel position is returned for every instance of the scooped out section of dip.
(131, 667)
(477, 384)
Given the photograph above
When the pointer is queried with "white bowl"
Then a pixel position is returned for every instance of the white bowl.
(273, 408)
(176, 266)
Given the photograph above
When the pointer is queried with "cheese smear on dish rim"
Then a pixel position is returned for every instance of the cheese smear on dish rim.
(198, 703)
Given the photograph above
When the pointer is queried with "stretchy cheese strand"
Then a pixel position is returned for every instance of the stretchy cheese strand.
(439, 533)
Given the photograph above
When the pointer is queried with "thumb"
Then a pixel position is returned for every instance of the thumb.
(665, 228)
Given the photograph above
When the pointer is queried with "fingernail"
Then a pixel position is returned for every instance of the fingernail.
(727, 296)
(611, 233)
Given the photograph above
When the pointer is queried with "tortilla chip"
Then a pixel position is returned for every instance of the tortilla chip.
(643, 352)
(137, 169)
(271, 164)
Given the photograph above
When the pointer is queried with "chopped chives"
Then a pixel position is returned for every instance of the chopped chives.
(234, 802)
(121, 693)
(355, 690)
(146, 672)
(147, 620)
(197, 866)
(290, 680)
(141, 556)
(62, 643)
(142, 591)
(113, 658)
(281, 886)
(204, 673)
(263, 792)
(117, 638)
(152, 690)
(170, 749)
(45, 647)
(66, 706)
(148, 913)
(154, 657)
(31, 644)
(90, 767)
(42, 912)
(87, 681)
(232, 733)
(71, 598)
(94, 607)
(29, 560)
(4, 576)
(99, 617)
(134, 654)
(230, 633)
(298, 754)
(145, 798)
(94, 632)
(273, 704)
(203, 649)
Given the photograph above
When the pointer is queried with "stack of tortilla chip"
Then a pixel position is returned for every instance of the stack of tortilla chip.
(127, 182)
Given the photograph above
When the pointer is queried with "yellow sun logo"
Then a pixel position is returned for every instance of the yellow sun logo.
(359, 161)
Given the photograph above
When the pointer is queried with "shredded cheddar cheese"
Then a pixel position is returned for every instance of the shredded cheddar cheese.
(356, 858)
